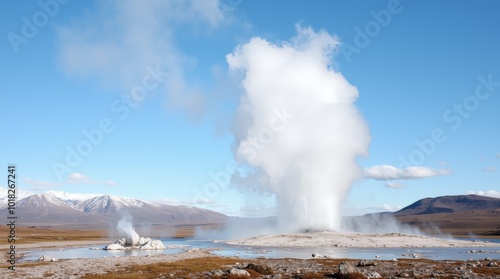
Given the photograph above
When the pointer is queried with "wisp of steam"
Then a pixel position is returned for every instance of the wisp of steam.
(132, 240)
(126, 229)
(297, 128)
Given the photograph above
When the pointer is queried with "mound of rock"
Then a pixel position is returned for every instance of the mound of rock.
(114, 246)
(144, 243)
(153, 244)
(46, 258)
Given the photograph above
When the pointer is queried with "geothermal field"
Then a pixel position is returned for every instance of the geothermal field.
(250, 139)
(301, 147)
(314, 254)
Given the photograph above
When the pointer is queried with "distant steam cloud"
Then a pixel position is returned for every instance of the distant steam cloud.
(308, 161)
(387, 172)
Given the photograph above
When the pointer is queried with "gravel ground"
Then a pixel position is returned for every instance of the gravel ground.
(404, 268)
(273, 268)
(76, 268)
(318, 267)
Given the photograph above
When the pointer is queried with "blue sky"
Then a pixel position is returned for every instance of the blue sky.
(417, 73)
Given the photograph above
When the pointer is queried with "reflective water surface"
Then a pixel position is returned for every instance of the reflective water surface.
(175, 245)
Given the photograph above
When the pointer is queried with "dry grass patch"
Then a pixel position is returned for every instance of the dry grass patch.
(26, 264)
(179, 269)
(30, 235)
(488, 271)
(354, 275)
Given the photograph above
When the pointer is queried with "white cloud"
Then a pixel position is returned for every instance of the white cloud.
(395, 185)
(387, 172)
(498, 155)
(78, 178)
(118, 41)
(443, 163)
(110, 183)
(73, 178)
(41, 185)
(488, 193)
(489, 169)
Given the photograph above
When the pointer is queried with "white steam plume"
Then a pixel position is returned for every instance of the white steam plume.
(297, 128)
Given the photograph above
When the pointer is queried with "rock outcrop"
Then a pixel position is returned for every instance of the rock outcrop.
(139, 242)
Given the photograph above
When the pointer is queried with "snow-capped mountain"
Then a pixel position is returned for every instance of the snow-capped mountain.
(71, 198)
(55, 207)
(20, 194)
(107, 203)
(45, 208)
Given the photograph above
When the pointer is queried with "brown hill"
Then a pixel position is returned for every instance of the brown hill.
(462, 215)
(451, 204)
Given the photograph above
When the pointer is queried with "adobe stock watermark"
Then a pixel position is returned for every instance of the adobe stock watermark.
(121, 108)
(454, 116)
(364, 36)
(255, 144)
(31, 26)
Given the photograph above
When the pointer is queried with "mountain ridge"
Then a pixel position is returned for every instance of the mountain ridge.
(458, 215)
(54, 207)
(450, 204)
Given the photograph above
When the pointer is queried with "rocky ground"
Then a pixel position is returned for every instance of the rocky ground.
(329, 268)
(201, 264)
(79, 268)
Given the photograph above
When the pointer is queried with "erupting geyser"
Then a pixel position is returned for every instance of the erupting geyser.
(297, 128)
(132, 239)
(125, 228)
